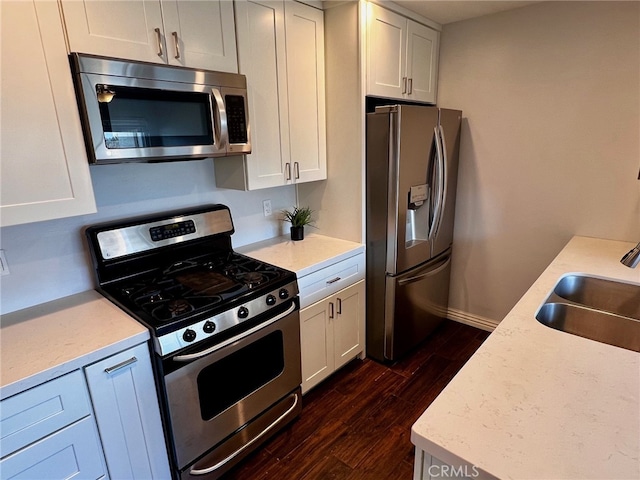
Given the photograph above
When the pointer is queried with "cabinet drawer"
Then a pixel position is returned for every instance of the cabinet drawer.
(42, 410)
(331, 279)
(71, 452)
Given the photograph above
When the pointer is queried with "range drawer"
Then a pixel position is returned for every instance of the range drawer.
(42, 410)
(331, 279)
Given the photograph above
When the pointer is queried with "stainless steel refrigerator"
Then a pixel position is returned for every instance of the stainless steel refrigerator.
(411, 177)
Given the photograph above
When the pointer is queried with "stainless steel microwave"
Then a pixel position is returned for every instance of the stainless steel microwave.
(143, 112)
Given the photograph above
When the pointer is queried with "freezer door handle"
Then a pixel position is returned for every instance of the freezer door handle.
(429, 273)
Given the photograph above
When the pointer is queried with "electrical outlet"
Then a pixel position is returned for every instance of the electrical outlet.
(266, 208)
(4, 266)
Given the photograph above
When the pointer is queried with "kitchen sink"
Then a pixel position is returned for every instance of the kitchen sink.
(598, 309)
(593, 324)
(615, 297)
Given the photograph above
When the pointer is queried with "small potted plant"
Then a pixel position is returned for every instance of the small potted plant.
(298, 217)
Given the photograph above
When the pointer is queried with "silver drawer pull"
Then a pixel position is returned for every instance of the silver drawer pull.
(121, 365)
(333, 280)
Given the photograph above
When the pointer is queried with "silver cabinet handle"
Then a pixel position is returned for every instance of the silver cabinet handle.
(296, 169)
(177, 44)
(333, 280)
(404, 85)
(410, 85)
(120, 365)
(159, 39)
(339, 310)
(331, 311)
(287, 171)
(204, 471)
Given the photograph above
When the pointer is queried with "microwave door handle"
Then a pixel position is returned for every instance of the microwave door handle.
(220, 120)
(437, 187)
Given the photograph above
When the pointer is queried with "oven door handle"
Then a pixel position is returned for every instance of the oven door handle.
(204, 471)
(193, 356)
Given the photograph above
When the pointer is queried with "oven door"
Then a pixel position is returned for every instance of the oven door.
(213, 396)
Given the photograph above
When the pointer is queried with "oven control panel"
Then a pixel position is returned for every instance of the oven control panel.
(177, 229)
(204, 329)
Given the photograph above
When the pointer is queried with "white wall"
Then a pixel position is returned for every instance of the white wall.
(49, 260)
(337, 202)
(550, 143)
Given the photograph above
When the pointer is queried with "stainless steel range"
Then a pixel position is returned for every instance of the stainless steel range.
(225, 329)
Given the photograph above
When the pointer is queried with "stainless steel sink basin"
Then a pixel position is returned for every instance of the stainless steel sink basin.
(593, 324)
(598, 309)
(615, 297)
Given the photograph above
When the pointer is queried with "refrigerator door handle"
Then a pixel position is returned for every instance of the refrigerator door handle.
(443, 187)
(445, 263)
(437, 209)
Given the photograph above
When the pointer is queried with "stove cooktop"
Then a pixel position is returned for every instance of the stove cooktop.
(177, 274)
(188, 288)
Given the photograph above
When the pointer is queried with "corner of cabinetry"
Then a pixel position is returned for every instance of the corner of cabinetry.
(231, 172)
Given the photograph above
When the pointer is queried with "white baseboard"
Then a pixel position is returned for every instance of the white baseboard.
(473, 320)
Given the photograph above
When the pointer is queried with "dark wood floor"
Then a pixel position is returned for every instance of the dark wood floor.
(356, 425)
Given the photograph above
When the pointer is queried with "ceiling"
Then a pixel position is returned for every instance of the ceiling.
(448, 11)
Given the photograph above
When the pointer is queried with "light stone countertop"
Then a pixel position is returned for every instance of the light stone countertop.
(537, 403)
(304, 256)
(43, 342)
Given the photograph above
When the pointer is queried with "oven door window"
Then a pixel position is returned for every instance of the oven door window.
(232, 378)
(144, 117)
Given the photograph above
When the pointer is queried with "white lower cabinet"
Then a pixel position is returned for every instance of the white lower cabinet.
(428, 467)
(61, 429)
(124, 399)
(331, 334)
(48, 432)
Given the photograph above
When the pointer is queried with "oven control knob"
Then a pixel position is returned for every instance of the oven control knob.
(271, 300)
(283, 293)
(243, 312)
(209, 326)
(189, 335)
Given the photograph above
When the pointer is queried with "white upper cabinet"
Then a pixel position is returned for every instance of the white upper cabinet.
(262, 58)
(281, 51)
(305, 74)
(44, 167)
(402, 57)
(195, 34)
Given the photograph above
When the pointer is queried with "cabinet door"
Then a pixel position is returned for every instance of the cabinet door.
(200, 34)
(305, 74)
(73, 452)
(125, 403)
(386, 53)
(422, 62)
(262, 58)
(316, 344)
(348, 325)
(44, 167)
(116, 29)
